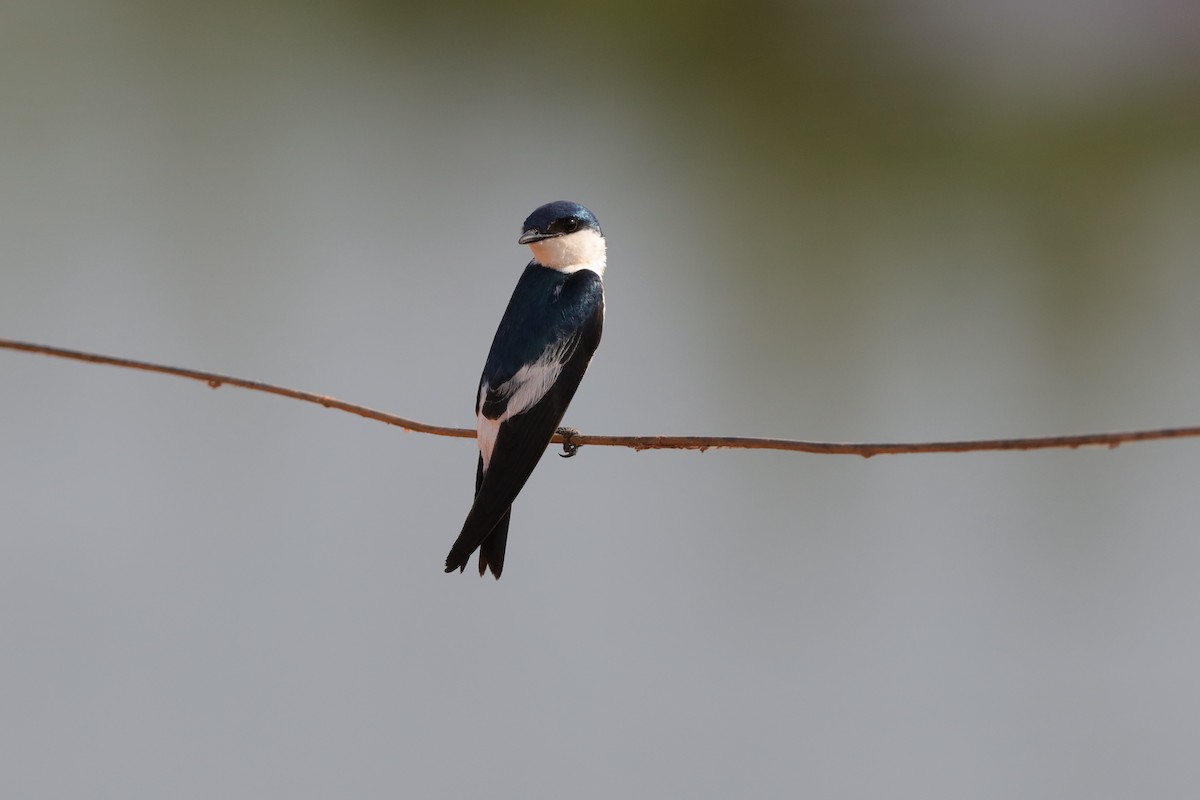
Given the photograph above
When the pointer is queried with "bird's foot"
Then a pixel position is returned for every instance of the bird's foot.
(569, 447)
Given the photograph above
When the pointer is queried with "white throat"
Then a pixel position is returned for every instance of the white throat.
(583, 249)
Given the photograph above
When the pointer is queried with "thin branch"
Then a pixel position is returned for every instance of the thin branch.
(217, 381)
(635, 442)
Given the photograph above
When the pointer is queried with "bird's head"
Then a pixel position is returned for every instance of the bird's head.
(565, 236)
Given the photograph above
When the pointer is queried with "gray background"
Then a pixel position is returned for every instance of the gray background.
(906, 220)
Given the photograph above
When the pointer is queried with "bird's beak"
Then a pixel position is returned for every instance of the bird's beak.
(532, 235)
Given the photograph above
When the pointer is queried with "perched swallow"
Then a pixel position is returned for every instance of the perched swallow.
(542, 348)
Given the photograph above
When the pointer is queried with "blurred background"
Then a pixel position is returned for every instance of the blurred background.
(902, 220)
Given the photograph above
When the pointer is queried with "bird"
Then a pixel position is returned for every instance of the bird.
(542, 348)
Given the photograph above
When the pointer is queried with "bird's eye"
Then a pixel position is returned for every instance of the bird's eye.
(571, 225)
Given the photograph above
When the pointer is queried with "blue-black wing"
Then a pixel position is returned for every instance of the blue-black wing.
(548, 312)
(563, 315)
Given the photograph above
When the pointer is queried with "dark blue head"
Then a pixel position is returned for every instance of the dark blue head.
(557, 219)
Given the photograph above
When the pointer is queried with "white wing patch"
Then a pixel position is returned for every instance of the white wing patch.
(486, 436)
(523, 391)
(532, 381)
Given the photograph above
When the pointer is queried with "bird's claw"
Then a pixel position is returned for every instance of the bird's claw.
(569, 446)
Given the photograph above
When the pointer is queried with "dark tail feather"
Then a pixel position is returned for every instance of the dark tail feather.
(475, 536)
(491, 551)
(520, 444)
(490, 542)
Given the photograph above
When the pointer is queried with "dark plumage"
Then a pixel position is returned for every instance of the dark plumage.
(542, 348)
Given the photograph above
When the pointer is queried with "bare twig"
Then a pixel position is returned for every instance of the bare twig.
(636, 442)
(217, 381)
